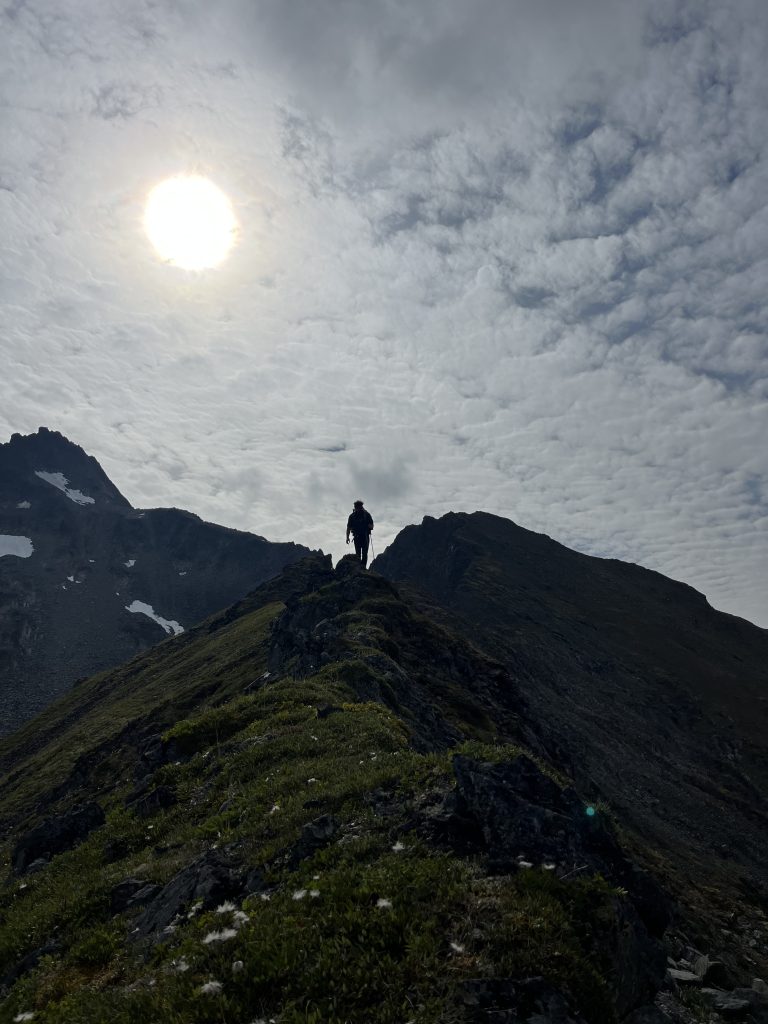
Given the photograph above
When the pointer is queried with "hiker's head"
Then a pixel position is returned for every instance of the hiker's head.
(358, 504)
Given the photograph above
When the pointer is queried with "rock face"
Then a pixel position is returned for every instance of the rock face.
(521, 819)
(55, 835)
(87, 581)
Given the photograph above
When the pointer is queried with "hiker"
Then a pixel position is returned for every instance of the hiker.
(360, 524)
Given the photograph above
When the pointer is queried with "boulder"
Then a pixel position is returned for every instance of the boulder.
(711, 972)
(682, 977)
(727, 1004)
(512, 809)
(314, 836)
(55, 835)
(132, 892)
(207, 882)
(758, 1003)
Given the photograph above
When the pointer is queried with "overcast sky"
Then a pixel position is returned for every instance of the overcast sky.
(502, 254)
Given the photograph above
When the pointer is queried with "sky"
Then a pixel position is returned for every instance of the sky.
(508, 255)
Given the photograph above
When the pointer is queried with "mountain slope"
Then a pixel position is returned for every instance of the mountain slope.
(641, 691)
(87, 581)
(316, 806)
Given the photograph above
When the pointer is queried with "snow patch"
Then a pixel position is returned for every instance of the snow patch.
(182, 574)
(71, 579)
(168, 625)
(59, 481)
(21, 547)
(24, 504)
(130, 563)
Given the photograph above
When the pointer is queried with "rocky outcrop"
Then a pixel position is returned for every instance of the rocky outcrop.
(55, 835)
(202, 885)
(518, 818)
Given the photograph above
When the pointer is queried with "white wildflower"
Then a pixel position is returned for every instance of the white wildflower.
(240, 918)
(548, 867)
(383, 903)
(237, 966)
(456, 947)
(225, 907)
(180, 965)
(195, 910)
(313, 737)
(275, 807)
(398, 846)
(300, 894)
(211, 988)
(313, 779)
(315, 877)
(23, 885)
(25, 1015)
(524, 864)
(314, 893)
(265, 896)
(222, 936)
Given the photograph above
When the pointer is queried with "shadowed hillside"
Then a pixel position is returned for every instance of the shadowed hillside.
(316, 806)
(640, 690)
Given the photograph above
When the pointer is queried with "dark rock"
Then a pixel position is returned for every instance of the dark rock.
(442, 821)
(37, 865)
(711, 972)
(132, 892)
(509, 1001)
(758, 1003)
(55, 835)
(154, 801)
(727, 1004)
(510, 809)
(314, 836)
(254, 881)
(116, 849)
(152, 755)
(648, 1015)
(209, 880)
(519, 809)
(687, 978)
(27, 963)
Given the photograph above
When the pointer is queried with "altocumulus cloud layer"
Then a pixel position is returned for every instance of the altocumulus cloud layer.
(500, 255)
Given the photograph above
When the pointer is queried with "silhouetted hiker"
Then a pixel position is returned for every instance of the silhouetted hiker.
(360, 524)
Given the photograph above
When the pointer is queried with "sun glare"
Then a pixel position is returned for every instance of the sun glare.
(190, 222)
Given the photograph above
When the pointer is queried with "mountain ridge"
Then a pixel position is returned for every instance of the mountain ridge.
(87, 581)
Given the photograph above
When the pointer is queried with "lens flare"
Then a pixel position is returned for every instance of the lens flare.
(190, 222)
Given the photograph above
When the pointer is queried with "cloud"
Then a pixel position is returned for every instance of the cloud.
(508, 256)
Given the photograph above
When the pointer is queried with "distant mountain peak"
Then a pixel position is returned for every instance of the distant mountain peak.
(46, 462)
(87, 581)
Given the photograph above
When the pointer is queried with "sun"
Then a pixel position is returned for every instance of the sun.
(190, 222)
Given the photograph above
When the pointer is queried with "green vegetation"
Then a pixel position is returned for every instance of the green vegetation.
(376, 927)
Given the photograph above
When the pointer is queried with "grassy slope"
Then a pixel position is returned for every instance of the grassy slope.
(332, 953)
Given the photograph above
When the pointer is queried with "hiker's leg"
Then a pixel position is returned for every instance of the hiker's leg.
(358, 546)
(364, 544)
